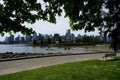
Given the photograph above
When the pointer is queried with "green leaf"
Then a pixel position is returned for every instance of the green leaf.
(2, 34)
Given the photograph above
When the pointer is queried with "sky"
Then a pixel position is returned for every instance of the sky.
(60, 27)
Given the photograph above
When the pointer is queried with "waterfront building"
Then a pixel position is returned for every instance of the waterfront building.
(34, 36)
(56, 35)
(28, 38)
(22, 39)
(72, 37)
(51, 37)
(68, 34)
(11, 38)
(39, 36)
(17, 39)
(46, 36)
(79, 36)
(7, 39)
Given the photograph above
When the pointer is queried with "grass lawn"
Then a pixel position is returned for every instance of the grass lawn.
(85, 70)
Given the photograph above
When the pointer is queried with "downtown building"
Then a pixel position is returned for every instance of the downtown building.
(10, 39)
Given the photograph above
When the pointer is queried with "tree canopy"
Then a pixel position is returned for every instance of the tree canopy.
(83, 14)
(14, 13)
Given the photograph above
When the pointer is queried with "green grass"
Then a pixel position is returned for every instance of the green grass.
(85, 70)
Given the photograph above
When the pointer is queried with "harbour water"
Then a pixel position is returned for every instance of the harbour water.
(22, 48)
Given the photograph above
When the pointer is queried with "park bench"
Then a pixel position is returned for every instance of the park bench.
(109, 55)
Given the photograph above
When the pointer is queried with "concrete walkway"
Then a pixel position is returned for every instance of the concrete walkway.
(8, 67)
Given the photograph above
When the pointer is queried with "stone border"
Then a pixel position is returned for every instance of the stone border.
(41, 55)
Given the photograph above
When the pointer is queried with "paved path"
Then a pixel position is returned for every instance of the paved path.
(27, 64)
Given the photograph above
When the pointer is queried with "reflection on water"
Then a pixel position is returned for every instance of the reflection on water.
(20, 48)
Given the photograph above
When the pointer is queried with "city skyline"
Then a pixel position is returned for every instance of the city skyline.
(60, 27)
(73, 32)
(38, 36)
(68, 36)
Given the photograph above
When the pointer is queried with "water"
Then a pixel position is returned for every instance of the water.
(21, 48)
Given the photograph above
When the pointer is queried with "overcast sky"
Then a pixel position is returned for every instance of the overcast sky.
(60, 27)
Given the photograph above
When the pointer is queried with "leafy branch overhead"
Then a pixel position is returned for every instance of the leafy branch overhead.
(83, 14)
(14, 13)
